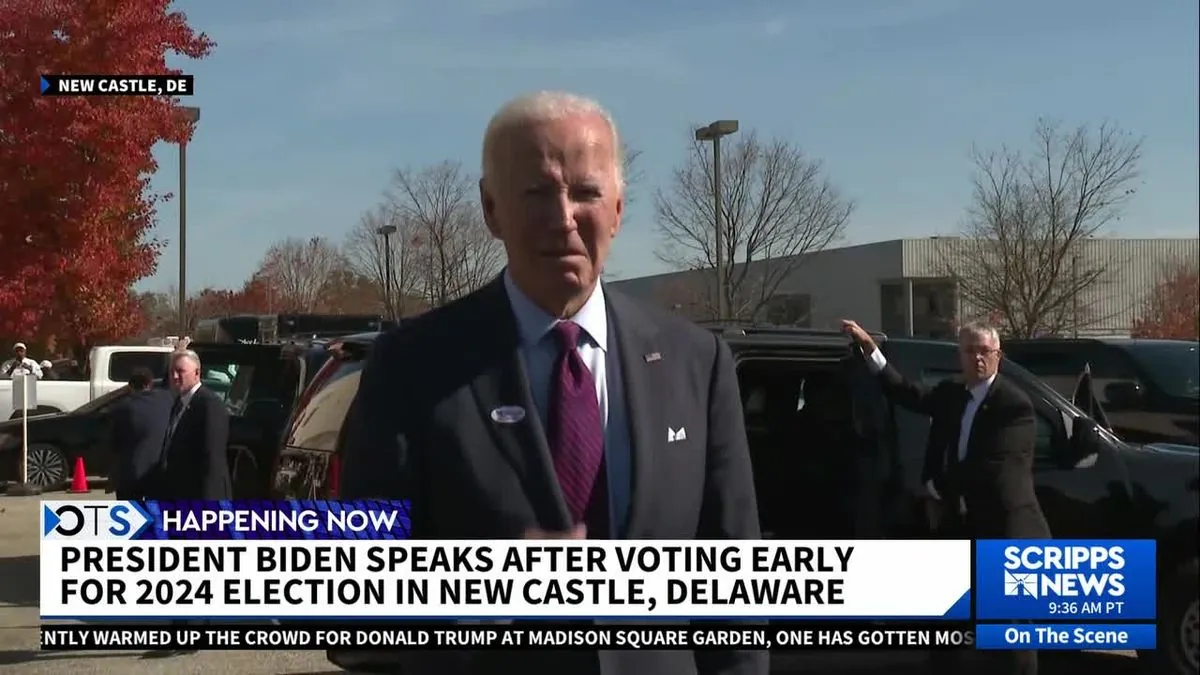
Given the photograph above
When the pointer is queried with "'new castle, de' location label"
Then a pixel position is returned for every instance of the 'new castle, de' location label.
(116, 85)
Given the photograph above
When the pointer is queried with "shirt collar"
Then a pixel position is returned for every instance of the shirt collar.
(533, 323)
(980, 390)
(187, 395)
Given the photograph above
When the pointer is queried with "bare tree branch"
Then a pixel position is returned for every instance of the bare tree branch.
(631, 172)
(455, 254)
(776, 206)
(1021, 256)
(301, 271)
(366, 251)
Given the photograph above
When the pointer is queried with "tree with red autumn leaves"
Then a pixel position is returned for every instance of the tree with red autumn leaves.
(74, 171)
(1171, 310)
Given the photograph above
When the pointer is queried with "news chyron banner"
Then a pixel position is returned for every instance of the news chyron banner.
(1067, 594)
(351, 561)
(116, 85)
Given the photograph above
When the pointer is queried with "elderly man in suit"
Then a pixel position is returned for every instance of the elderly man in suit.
(978, 473)
(547, 405)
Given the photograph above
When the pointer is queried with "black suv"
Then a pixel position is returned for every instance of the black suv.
(259, 383)
(824, 439)
(1150, 389)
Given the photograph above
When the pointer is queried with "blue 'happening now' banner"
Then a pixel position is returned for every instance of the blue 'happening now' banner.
(1065, 580)
(266, 519)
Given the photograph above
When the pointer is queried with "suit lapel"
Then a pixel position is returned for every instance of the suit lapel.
(981, 415)
(502, 389)
(645, 390)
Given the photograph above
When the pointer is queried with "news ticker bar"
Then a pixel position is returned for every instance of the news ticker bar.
(697, 636)
(116, 85)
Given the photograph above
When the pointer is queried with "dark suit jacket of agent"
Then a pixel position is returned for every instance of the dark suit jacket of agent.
(136, 436)
(421, 430)
(196, 459)
(996, 477)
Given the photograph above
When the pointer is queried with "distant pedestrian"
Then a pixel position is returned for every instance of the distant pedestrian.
(20, 363)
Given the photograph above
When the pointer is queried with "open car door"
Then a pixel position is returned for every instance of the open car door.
(1086, 400)
(259, 383)
(879, 477)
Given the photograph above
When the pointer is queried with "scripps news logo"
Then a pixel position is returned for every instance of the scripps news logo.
(1064, 571)
(93, 520)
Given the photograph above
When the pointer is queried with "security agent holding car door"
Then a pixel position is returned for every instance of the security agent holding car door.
(978, 472)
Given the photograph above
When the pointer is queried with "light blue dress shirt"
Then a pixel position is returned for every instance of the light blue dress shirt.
(599, 353)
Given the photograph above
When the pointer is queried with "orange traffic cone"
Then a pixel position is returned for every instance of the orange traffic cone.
(79, 483)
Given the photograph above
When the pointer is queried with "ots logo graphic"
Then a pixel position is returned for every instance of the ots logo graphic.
(1064, 571)
(93, 520)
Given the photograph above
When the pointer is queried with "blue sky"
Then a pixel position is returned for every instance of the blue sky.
(309, 105)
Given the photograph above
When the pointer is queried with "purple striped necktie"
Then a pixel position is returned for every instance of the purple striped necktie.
(575, 431)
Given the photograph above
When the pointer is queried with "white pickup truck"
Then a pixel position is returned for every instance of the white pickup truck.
(108, 369)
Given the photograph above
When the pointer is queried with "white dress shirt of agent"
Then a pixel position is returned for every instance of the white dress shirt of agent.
(20, 363)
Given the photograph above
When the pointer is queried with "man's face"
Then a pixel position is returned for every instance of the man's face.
(184, 374)
(978, 355)
(556, 203)
(19, 352)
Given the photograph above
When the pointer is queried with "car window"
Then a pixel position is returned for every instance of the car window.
(1044, 441)
(318, 420)
(1173, 365)
(1057, 366)
(1048, 361)
(122, 364)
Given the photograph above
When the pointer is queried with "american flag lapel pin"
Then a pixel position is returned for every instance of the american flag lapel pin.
(652, 357)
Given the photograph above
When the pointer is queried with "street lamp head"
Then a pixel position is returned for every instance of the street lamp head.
(716, 130)
(387, 230)
(191, 113)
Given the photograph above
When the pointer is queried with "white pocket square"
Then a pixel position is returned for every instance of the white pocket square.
(674, 435)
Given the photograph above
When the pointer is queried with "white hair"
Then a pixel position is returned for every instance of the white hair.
(544, 106)
(186, 354)
(983, 330)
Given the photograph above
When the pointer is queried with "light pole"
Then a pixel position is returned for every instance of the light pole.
(713, 132)
(387, 231)
(192, 115)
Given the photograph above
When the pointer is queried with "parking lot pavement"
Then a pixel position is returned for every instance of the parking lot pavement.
(19, 635)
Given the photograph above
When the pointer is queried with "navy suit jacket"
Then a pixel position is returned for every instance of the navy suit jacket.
(197, 454)
(137, 430)
(421, 429)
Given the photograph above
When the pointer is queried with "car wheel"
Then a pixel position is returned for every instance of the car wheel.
(1178, 650)
(46, 466)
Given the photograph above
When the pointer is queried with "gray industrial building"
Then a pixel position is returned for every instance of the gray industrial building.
(900, 286)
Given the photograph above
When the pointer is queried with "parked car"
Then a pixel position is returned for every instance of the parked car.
(824, 439)
(259, 384)
(1149, 388)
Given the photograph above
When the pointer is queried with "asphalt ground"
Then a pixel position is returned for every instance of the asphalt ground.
(19, 622)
